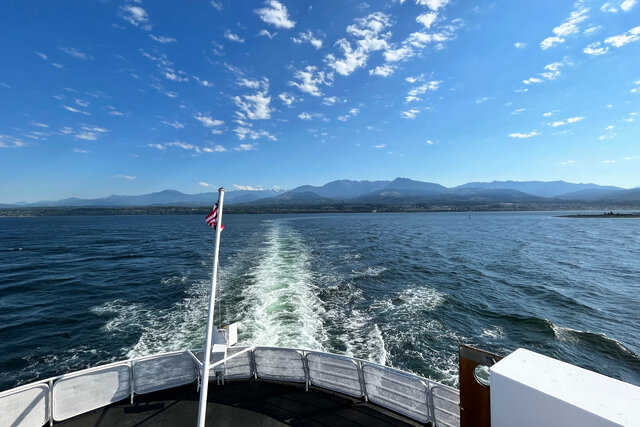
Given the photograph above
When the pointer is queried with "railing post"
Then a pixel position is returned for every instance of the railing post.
(431, 404)
(363, 384)
(254, 364)
(131, 380)
(305, 366)
(50, 409)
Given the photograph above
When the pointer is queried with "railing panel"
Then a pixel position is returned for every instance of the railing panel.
(337, 373)
(446, 403)
(88, 390)
(163, 372)
(27, 407)
(240, 367)
(279, 364)
(398, 391)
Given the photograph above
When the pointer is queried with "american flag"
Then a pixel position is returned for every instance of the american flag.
(212, 218)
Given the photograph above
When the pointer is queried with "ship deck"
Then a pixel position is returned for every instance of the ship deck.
(243, 403)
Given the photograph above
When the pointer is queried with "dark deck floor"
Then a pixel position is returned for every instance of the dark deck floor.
(242, 403)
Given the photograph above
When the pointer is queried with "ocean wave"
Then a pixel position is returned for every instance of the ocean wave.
(369, 272)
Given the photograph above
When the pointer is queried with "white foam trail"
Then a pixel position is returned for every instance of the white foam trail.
(280, 306)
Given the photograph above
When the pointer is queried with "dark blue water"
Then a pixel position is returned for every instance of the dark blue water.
(399, 289)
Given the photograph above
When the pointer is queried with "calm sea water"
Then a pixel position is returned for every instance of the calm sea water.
(398, 289)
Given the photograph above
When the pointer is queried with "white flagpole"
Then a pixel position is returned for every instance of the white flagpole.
(202, 409)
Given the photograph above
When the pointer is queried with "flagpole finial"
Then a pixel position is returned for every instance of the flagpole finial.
(221, 189)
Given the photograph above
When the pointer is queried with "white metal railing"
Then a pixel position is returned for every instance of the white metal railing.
(65, 396)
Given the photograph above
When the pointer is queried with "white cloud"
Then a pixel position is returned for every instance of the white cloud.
(412, 95)
(368, 35)
(214, 149)
(410, 114)
(568, 162)
(162, 39)
(482, 100)
(81, 151)
(383, 70)
(595, 49)
(246, 147)
(128, 177)
(380, 145)
(175, 124)
(567, 28)
(40, 125)
(82, 103)
(592, 29)
(412, 79)
(307, 37)
(352, 59)
(610, 133)
(309, 116)
(574, 119)
(7, 141)
(310, 80)
(207, 121)
(551, 72)
(608, 161)
(253, 84)
(521, 135)
(352, 112)
(75, 53)
(266, 33)
(41, 55)
(243, 132)
(427, 19)
(203, 82)
(330, 100)
(205, 184)
(627, 5)
(608, 7)
(518, 110)
(275, 14)
(519, 45)
(74, 110)
(557, 123)
(246, 188)
(433, 4)
(176, 77)
(622, 39)
(429, 142)
(550, 113)
(256, 106)
(550, 41)
(217, 5)
(233, 37)
(287, 98)
(135, 15)
(188, 147)
(395, 55)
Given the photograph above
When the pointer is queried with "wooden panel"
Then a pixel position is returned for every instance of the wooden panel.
(475, 409)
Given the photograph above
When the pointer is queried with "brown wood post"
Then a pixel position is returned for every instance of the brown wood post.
(475, 410)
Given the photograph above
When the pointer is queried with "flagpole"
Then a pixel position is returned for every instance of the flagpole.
(202, 409)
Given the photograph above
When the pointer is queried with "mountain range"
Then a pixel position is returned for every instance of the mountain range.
(397, 192)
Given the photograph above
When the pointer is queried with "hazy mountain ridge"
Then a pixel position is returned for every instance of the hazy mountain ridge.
(399, 191)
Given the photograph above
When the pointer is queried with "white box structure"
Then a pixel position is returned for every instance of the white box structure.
(529, 389)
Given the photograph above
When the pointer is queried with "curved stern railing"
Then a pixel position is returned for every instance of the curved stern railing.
(66, 396)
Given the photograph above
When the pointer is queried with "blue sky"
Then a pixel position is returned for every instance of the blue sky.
(129, 97)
